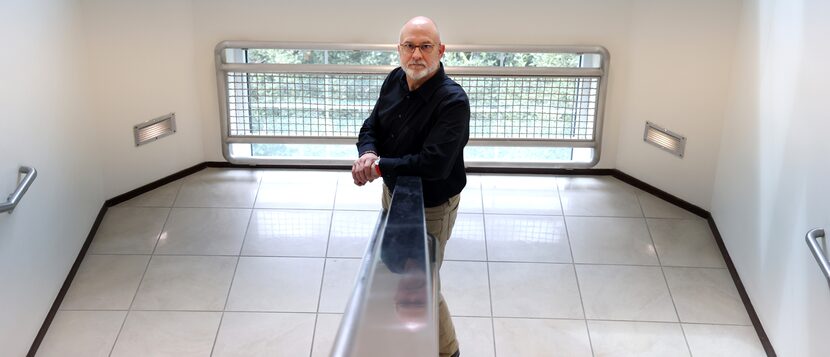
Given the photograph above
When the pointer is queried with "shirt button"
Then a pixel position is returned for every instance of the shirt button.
(399, 115)
(407, 97)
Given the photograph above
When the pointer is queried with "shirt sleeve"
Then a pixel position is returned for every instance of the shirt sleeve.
(442, 146)
(366, 137)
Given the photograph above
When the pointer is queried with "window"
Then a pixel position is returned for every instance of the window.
(539, 106)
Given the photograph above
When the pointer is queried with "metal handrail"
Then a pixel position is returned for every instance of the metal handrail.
(393, 310)
(15, 197)
(812, 240)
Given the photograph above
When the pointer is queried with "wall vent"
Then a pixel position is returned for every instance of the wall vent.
(664, 139)
(151, 130)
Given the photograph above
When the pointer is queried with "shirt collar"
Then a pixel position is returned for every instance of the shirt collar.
(426, 90)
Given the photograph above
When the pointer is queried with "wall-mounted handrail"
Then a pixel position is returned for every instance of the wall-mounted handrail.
(14, 198)
(812, 240)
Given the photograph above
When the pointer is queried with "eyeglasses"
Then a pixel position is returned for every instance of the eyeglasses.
(410, 48)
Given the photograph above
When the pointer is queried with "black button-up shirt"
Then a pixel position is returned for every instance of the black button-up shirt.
(420, 133)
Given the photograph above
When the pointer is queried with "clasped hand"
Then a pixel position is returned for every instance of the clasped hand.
(362, 171)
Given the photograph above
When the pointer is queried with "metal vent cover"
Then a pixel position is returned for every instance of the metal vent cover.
(154, 129)
(664, 139)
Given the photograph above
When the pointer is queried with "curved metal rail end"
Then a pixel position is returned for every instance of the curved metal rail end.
(812, 240)
(15, 197)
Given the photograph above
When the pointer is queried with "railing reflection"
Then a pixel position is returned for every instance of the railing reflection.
(393, 308)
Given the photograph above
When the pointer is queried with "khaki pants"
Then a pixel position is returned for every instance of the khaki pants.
(440, 220)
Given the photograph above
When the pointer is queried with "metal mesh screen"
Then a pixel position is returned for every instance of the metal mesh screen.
(335, 105)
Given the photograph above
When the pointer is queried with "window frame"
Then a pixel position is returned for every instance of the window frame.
(223, 67)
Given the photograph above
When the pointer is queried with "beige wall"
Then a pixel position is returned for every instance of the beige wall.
(44, 123)
(771, 183)
(677, 76)
(141, 63)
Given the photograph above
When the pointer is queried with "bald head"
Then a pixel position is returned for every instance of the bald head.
(420, 26)
(420, 50)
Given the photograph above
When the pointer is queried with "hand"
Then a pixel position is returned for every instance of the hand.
(362, 171)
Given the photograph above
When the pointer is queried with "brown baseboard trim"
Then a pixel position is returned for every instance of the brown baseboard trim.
(753, 316)
(633, 181)
(539, 171)
(155, 184)
(66, 283)
(224, 164)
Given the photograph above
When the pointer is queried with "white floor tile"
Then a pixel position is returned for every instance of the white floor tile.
(307, 195)
(319, 177)
(704, 295)
(350, 233)
(516, 200)
(287, 233)
(637, 339)
(245, 334)
(105, 282)
(527, 238)
(338, 284)
(475, 336)
(467, 239)
(534, 290)
(541, 337)
(598, 196)
(276, 284)
(163, 196)
(207, 231)
(186, 283)
(325, 333)
(719, 340)
(608, 240)
(129, 230)
(352, 197)
(637, 293)
(466, 288)
(470, 201)
(688, 243)
(219, 188)
(82, 334)
(654, 207)
(167, 333)
(272, 299)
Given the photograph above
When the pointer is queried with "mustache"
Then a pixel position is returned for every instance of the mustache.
(422, 63)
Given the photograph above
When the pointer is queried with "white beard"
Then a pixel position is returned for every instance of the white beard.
(418, 74)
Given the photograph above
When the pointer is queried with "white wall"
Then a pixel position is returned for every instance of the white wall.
(771, 182)
(677, 77)
(44, 123)
(141, 60)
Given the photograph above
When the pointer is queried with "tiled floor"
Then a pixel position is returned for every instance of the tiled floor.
(261, 263)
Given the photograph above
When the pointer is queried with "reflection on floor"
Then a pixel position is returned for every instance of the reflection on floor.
(261, 263)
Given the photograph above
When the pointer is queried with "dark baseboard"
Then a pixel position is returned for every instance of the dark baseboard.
(155, 184)
(633, 181)
(224, 164)
(595, 172)
(539, 171)
(66, 283)
(753, 316)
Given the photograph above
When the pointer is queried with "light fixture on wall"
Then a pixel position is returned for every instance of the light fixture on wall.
(154, 129)
(664, 139)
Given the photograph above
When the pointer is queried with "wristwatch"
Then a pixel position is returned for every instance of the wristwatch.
(377, 166)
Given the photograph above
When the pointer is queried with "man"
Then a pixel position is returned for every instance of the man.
(419, 127)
